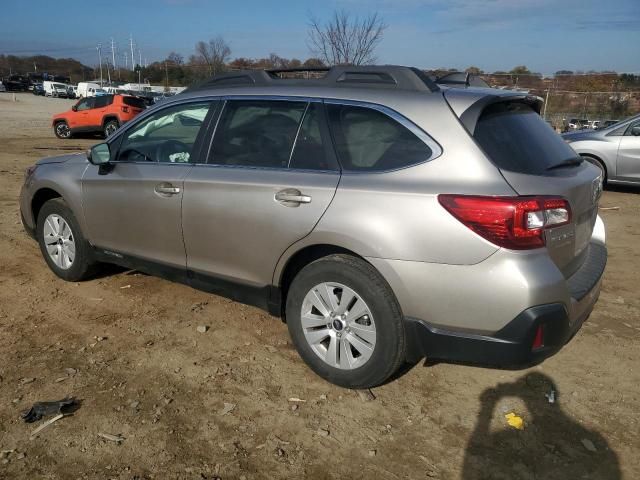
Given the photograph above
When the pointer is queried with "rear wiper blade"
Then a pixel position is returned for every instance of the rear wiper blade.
(569, 162)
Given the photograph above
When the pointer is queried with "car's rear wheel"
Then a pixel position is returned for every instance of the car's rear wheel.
(62, 130)
(346, 322)
(110, 128)
(62, 244)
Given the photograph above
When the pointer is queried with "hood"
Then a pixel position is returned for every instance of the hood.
(79, 157)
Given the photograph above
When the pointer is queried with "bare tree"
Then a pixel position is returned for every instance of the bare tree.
(346, 40)
(175, 58)
(214, 53)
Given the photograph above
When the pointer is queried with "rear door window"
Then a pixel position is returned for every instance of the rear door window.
(102, 101)
(257, 133)
(517, 139)
(369, 140)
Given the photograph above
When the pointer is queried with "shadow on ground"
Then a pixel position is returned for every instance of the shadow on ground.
(551, 446)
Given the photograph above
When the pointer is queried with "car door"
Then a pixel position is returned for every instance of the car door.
(271, 174)
(133, 207)
(628, 164)
(79, 118)
(97, 112)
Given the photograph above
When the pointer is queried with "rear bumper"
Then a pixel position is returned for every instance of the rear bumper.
(511, 346)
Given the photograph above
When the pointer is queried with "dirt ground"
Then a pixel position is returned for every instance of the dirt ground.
(218, 404)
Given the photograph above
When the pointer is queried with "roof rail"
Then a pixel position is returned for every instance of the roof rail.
(374, 76)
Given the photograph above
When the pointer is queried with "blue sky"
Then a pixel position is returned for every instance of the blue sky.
(545, 35)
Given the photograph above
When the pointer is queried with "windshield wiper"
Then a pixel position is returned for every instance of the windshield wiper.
(569, 162)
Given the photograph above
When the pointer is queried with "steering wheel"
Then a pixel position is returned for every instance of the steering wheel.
(169, 147)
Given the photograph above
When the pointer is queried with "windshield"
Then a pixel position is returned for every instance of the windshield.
(613, 124)
(517, 139)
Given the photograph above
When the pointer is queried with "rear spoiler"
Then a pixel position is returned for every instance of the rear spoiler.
(468, 104)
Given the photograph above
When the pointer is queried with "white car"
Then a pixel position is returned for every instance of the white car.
(2, 87)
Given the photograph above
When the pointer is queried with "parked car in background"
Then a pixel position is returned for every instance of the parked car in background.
(614, 149)
(88, 89)
(72, 91)
(103, 113)
(578, 123)
(593, 124)
(383, 217)
(38, 89)
(2, 87)
(55, 89)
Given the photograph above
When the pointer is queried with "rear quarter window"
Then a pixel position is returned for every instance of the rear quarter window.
(369, 140)
(134, 102)
(517, 139)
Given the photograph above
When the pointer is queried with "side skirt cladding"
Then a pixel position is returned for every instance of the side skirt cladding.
(266, 298)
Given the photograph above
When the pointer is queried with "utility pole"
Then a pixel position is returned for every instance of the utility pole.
(166, 72)
(133, 62)
(99, 48)
(113, 54)
(546, 102)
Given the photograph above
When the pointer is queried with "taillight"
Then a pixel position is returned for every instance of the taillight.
(517, 223)
(125, 109)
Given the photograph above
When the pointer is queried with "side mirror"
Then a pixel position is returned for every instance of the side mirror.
(99, 154)
(74, 108)
(635, 131)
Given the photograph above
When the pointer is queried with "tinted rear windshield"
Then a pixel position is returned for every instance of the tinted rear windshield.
(134, 102)
(517, 139)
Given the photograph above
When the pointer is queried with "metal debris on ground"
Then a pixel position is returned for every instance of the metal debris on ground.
(43, 409)
(296, 399)
(112, 438)
(609, 208)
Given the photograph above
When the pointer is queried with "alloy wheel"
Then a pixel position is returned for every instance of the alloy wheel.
(338, 325)
(59, 241)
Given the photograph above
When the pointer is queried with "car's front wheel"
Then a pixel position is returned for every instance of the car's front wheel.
(345, 322)
(62, 130)
(62, 244)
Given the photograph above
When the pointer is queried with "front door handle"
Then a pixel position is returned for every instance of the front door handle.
(292, 197)
(166, 189)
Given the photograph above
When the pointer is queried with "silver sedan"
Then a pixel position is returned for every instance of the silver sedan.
(615, 149)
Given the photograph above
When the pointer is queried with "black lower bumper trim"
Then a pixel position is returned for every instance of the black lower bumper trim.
(510, 347)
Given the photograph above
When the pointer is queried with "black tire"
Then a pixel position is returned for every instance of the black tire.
(83, 265)
(110, 128)
(390, 345)
(62, 130)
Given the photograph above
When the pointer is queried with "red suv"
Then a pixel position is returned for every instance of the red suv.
(104, 113)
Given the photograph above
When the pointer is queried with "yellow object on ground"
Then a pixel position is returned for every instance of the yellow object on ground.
(515, 421)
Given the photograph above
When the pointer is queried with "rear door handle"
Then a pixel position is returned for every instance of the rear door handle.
(166, 189)
(292, 197)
